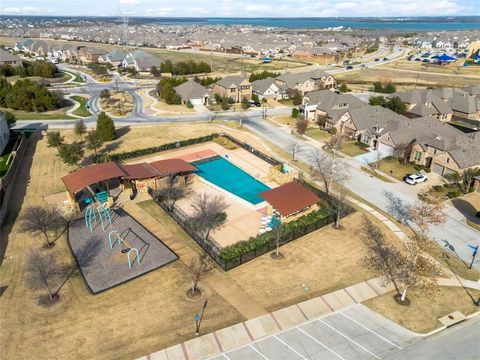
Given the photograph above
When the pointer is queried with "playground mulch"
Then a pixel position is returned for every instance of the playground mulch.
(103, 267)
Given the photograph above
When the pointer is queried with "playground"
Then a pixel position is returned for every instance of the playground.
(111, 248)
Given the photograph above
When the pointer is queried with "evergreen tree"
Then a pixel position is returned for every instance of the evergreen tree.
(54, 139)
(80, 128)
(93, 142)
(105, 127)
(71, 154)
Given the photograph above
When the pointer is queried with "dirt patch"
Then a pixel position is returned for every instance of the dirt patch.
(118, 104)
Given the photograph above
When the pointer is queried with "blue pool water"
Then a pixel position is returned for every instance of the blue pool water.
(224, 174)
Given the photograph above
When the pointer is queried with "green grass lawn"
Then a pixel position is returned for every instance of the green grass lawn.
(77, 78)
(318, 134)
(82, 110)
(285, 120)
(352, 148)
(394, 168)
(23, 115)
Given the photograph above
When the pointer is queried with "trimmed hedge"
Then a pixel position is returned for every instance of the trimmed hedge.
(155, 149)
(244, 247)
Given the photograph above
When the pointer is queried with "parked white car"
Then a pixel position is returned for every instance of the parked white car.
(415, 179)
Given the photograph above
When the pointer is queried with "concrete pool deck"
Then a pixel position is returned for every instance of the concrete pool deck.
(243, 218)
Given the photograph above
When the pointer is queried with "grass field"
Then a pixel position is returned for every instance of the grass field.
(394, 168)
(455, 67)
(352, 148)
(306, 270)
(375, 174)
(318, 134)
(403, 78)
(82, 110)
(48, 115)
(423, 313)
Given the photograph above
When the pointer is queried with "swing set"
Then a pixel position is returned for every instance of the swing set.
(115, 234)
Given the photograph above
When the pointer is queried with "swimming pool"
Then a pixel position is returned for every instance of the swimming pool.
(224, 174)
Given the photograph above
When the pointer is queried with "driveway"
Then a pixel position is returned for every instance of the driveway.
(357, 333)
(372, 156)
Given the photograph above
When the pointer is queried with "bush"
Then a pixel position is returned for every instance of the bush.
(437, 188)
(295, 113)
(262, 75)
(453, 194)
(155, 149)
(332, 131)
(189, 104)
(28, 95)
(244, 247)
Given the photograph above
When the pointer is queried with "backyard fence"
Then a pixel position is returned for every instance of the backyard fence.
(251, 149)
(215, 251)
(6, 182)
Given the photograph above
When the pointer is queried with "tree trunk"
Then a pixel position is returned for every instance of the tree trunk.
(404, 295)
(194, 286)
(50, 295)
(46, 238)
(208, 233)
(277, 249)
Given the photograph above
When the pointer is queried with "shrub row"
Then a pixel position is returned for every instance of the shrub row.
(236, 250)
(155, 149)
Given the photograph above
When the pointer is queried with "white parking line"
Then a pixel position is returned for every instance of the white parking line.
(346, 337)
(258, 352)
(318, 342)
(380, 336)
(288, 346)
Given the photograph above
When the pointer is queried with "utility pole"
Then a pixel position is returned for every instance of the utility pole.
(198, 318)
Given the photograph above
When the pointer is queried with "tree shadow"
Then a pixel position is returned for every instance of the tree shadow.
(122, 131)
(85, 256)
(476, 302)
(397, 207)
(19, 191)
(110, 147)
(467, 209)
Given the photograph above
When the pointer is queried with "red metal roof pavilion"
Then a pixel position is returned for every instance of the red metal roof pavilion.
(80, 179)
(290, 198)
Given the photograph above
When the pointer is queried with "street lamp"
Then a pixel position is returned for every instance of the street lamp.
(198, 318)
(474, 254)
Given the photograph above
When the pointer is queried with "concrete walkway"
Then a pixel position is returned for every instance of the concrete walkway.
(218, 281)
(271, 323)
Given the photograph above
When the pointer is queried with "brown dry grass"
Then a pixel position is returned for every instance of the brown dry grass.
(138, 317)
(370, 75)
(119, 104)
(455, 67)
(423, 313)
(319, 263)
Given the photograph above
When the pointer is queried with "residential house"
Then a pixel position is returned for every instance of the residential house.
(7, 58)
(141, 61)
(465, 102)
(114, 57)
(422, 103)
(329, 105)
(300, 82)
(322, 79)
(234, 87)
(440, 147)
(193, 92)
(87, 54)
(269, 89)
(23, 45)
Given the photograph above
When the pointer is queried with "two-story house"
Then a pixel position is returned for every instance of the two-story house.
(233, 87)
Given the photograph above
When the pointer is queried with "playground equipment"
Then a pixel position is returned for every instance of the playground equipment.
(119, 238)
(96, 212)
(129, 259)
(127, 250)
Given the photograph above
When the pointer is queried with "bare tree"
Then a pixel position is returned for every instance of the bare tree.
(338, 203)
(172, 191)
(327, 169)
(382, 259)
(242, 118)
(293, 147)
(278, 231)
(40, 220)
(208, 213)
(426, 213)
(302, 126)
(419, 271)
(334, 144)
(199, 267)
(43, 271)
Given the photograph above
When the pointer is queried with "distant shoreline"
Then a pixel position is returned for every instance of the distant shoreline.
(403, 24)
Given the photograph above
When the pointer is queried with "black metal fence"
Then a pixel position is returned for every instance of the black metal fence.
(252, 150)
(212, 248)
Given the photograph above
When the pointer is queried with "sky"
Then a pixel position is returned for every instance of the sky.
(242, 8)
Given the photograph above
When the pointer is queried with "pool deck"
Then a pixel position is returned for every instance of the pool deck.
(243, 218)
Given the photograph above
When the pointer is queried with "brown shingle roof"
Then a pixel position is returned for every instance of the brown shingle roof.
(172, 166)
(290, 198)
(93, 174)
(140, 171)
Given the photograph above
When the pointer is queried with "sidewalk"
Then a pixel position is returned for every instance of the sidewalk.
(243, 333)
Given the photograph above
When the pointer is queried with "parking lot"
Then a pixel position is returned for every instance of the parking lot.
(355, 333)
